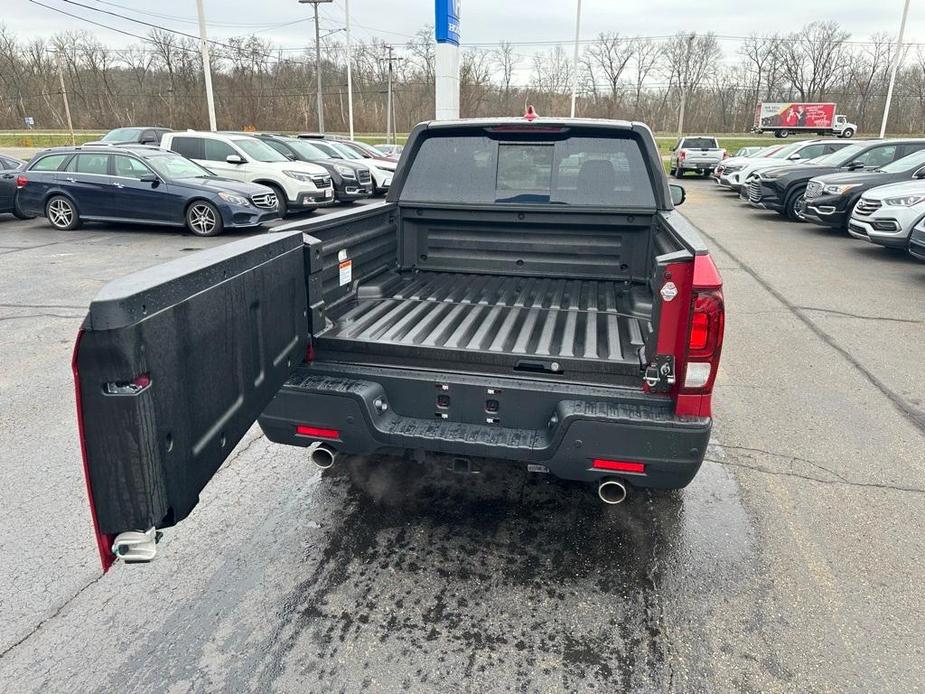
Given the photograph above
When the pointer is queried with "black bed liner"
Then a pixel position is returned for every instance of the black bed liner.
(525, 323)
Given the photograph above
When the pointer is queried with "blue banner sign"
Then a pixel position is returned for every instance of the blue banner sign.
(447, 21)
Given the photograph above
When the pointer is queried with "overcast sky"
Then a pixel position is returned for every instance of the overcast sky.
(482, 21)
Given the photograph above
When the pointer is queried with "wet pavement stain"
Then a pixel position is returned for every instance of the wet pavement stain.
(521, 583)
(385, 575)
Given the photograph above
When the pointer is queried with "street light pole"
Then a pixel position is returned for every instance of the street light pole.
(893, 69)
(320, 106)
(575, 58)
(206, 64)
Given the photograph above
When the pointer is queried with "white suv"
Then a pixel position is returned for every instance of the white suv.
(298, 185)
(886, 215)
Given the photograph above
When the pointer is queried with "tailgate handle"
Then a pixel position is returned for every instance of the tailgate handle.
(537, 366)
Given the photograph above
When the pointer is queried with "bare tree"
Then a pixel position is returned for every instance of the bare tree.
(688, 59)
(608, 56)
(507, 61)
(813, 58)
(646, 56)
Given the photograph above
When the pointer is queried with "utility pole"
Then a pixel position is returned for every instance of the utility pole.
(388, 106)
(206, 65)
(893, 69)
(389, 120)
(67, 106)
(320, 105)
(349, 68)
(685, 72)
(575, 58)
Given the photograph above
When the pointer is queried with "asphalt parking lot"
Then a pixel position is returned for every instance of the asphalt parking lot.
(794, 562)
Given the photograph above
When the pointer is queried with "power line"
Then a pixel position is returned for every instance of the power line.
(191, 20)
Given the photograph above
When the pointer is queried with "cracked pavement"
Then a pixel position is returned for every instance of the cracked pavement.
(794, 562)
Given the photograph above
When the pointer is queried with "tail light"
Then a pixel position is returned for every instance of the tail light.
(21, 181)
(725, 154)
(682, 155)
(705, 340)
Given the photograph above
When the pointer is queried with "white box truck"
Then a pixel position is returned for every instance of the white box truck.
(784, 118)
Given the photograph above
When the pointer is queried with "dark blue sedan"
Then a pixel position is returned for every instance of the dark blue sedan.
(144, 185)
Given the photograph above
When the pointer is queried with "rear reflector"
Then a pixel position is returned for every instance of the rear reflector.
(317, 432)
(619, 466)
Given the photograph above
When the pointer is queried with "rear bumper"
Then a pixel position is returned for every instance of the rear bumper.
(563, 432)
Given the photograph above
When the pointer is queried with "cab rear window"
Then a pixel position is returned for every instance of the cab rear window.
(590, 171)
(699, 143)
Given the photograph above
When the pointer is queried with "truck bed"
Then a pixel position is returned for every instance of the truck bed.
(586, 329)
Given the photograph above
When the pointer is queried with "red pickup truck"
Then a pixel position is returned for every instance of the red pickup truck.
(526, 295)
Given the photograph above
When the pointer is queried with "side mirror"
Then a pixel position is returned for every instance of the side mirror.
(920, 173)
(794, 157)
(855, 165)
(234, 159)
(678, 194)
(150, 178)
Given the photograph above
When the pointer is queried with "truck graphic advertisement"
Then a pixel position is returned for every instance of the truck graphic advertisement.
(785, 117)
(794, 115)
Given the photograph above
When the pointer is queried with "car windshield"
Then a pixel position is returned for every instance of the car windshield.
(259, 151)
(122, 135)
(909, 162)
(346, 151)
(174, 166)
(785, 152)
(327, 149)
(307, 149)
(765, 151)
(842, 156)
(698, 143)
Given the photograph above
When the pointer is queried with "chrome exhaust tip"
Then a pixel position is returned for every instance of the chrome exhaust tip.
(321, 455)
(611, 491)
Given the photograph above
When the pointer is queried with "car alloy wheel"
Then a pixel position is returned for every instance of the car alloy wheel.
(795, 211)
(61, 213)
(203, 219)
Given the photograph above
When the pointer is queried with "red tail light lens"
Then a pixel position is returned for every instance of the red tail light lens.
(707, 322)
(683, 155)
(21, 181)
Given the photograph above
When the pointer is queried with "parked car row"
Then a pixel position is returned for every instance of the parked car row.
(204, 181)
(872, 189)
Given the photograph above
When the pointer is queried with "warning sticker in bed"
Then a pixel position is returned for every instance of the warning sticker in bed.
(346, 271)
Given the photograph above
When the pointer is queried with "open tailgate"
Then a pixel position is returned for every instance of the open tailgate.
(172, 366)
